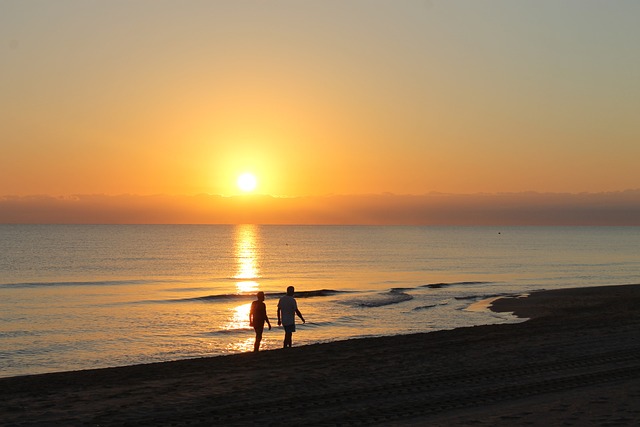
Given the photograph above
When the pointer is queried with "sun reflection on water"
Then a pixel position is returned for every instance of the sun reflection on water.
(247, 286)
(248, 271)
(243, 345)
(239, 318)
(247, 252)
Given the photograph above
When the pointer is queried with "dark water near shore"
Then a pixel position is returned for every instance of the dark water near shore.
(77, 297)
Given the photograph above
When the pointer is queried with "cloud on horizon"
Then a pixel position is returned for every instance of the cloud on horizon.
(529, 208)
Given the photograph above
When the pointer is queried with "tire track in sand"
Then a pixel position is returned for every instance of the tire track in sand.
(422, 395)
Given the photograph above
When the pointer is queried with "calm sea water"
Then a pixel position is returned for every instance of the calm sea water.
(78, 297)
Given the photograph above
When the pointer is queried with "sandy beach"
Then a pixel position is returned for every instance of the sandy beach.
(576, 362)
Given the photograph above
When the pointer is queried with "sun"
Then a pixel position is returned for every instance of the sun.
(247, 182)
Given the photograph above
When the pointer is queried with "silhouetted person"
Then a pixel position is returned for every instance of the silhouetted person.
(257, 317)
(287, 309)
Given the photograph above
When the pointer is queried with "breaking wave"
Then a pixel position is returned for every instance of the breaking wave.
(394, 296)
(231, 297)
(444, 285)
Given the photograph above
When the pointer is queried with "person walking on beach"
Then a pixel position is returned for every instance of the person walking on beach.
(257, 317)
(287, 309)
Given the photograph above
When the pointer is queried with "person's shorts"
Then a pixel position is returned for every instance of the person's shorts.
(290, 328)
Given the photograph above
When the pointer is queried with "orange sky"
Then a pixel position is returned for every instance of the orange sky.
(318, 98)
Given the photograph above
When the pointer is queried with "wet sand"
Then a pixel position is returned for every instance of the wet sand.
(576, 362)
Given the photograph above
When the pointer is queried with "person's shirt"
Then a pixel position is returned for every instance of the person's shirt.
(288, 307)
(259, 311)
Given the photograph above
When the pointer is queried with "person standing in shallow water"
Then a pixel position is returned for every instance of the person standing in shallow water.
(287, 309)
(257, 317)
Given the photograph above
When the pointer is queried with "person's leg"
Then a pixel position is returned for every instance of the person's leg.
(256, 345)
(287, 339)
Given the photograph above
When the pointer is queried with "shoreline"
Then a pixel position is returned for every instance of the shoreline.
(504, 374)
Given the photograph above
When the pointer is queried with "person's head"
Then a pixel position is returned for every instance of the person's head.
(290, 290)
(260, 296)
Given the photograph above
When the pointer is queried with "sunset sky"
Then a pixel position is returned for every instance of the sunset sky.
(317, 98)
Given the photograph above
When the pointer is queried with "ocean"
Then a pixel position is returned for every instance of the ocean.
(91, 296)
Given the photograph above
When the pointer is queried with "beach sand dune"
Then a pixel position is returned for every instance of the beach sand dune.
(577, 362)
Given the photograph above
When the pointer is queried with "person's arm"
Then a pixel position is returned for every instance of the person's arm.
(251, 316)
(266, 317)
(279, 319)
(300, 315)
